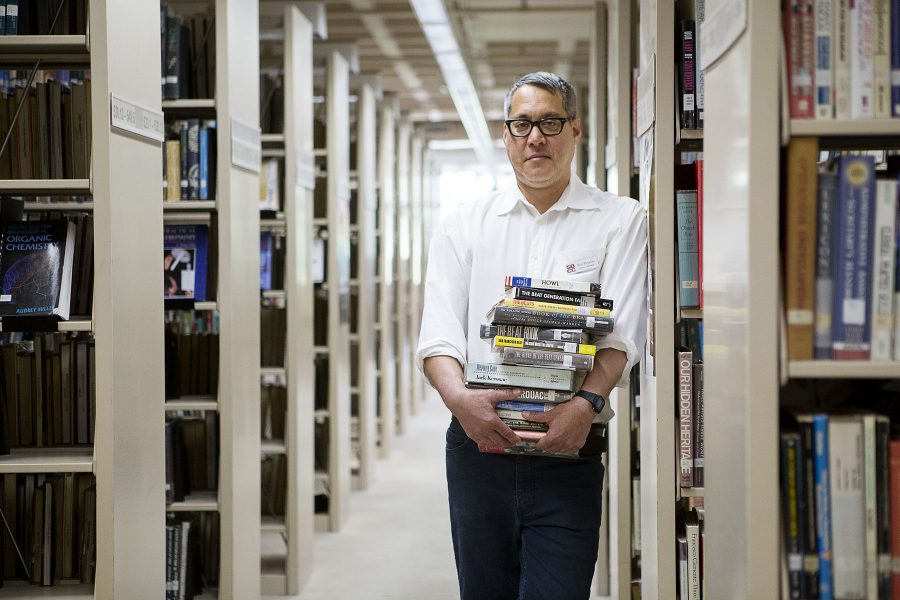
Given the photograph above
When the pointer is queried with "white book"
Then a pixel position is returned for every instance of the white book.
(842, 40)
(824, 49)
(848, 511)
(882, 58)
(692, 535)
(871, 504)
(882, 306)
(862, 59)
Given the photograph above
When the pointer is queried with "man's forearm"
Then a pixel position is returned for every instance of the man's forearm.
(609, 364)
(445, 375)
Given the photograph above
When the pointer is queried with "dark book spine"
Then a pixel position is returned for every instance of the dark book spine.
(688, 108)
(521, 316)
(698, 432)
(183, 148)
(883, 502)
(173, 26)
(827, 193)
(193, 159)
(571, 298)
(807, 508)
(790, 514)
(12, 17)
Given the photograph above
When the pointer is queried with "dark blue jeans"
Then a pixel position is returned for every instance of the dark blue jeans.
(523, 527)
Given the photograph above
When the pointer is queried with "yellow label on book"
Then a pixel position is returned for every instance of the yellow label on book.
(510, 342)
(570, 309)
(587, 349)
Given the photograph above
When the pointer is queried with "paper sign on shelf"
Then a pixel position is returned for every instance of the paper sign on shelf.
(305, 170)
(646, 100)
(721, 28)
(138, 120)
(246, 146)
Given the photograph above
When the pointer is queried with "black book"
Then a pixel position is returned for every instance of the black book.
(192, 128)
(173, 50)
(185, 88)
(688, 71)
(36, 267)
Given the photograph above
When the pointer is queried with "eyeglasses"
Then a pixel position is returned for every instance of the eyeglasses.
(548, 126)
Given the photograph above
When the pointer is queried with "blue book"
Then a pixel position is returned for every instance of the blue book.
(204, 163)
(266, 243)
(895, 58)
(851, 320)
(185, 250)
(529, 406)
(688, 248)
(823, 505)
(825, 238)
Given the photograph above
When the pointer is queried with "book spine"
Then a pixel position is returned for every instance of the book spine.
(800, 82)
(870, 487)
(566, 360)
(851, 326)
(685, 419)
(894, 450)
(173, 26)
(204, 163)
(790, 511)
(827, 195)
(520, 376)
(568, 309)
(698, 165)
(862, 63)
(882, 58)
(502, 341)
(692, 537)
(193, 159)
(688, 91)
(700, 82)
(12, 17)
(520, 331)
(3, 19)
(807, 508)
(559, 297)
(895, 57)
(824, 59)
(698, 432)
(842, 43)
(688, 249)
(519, 406)
(823, 507)
(807, 72)
(801, 246)
(883, 490)
(882, 309)
(848, 513)
(521, 316)
(184, 152)
(582, 287)
(522, 424)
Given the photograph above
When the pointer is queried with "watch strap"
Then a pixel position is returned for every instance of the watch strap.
(596, 401)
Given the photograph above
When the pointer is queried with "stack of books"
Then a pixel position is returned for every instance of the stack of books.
(543, 331)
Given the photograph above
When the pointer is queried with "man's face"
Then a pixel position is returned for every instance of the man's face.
(540, 160)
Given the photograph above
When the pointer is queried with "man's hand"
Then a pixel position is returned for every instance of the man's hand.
(474, 408)
(570, 423)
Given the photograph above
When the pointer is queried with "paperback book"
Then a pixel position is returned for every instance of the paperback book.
(185, 249)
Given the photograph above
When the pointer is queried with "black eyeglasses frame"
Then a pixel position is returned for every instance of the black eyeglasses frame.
(562, 121)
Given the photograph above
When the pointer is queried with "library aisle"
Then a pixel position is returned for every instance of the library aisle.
(396, 543)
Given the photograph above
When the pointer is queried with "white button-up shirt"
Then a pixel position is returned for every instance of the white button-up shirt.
(600, 236)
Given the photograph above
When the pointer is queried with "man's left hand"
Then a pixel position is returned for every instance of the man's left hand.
(570, 423)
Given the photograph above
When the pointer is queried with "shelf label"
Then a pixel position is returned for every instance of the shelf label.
(305, 175)
(138, 120)
(721, 28)
(646, 97)
(246, 146)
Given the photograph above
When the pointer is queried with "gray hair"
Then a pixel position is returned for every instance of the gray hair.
(551, 82)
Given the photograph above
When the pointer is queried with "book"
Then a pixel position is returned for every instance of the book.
(851, 324)
(842, 41)
(582, 287)
(862, 59)
(522, 424)
(687, 76)
(884, 514)
(870, 504)
(884, 240)
(538, 318)
(800, 236)
(268, 186)
(685, 420)
(519, 406)
(698, 167)
(895, 59)
(692, 536)
(532, 332)
(688, 248)
(798, 36)
(520, 376)
(790, 510)
(36, 267)
(848, 514)
(881, 37)
(12, 17)
(185, 249)
(894, 450)
(532, 394)
(823, 505)
(825, 262)
(698, 430)
(504, 341)
(524, 293)
(568, 360)
(569, 309)
(824, 61)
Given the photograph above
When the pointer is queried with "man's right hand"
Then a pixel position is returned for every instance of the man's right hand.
(474, 409)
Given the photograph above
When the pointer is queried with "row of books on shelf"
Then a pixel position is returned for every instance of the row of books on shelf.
(189, 160)
(50, 533)
(271, 102)
(690, 544)
(192, 454)
(840, 503)
(841, 288)
(272, 254)
(51, 137)
(191, 353)
(840, 56)
(192, 554)
(541, 335)
(188, 56)
(43, 17)
(274, 485)
(48, 391)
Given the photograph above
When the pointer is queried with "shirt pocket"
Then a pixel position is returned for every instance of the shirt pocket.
(578, 264)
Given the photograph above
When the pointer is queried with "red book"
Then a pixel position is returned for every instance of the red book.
(895, 520)
(799, 44)
(698, 165)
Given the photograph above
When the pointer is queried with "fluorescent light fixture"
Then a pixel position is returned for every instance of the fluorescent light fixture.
(432, 16)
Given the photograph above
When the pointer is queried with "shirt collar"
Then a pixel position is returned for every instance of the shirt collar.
(576, 195)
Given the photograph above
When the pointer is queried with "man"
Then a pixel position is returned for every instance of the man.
(527, 527)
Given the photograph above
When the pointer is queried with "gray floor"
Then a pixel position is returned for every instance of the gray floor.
(396, 543)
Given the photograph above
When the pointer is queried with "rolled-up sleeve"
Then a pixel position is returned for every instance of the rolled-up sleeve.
(624, 279)
(444, 316)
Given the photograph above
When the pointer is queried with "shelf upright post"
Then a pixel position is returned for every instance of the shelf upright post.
(338, 269)
(387, 206)
(620, 135)
(128, 307)
(416, 273)
(237, 116)
(595, 107)
(404, 368)
(367, 205)
(740, 248)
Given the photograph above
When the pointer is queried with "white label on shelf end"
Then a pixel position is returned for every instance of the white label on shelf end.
(138, 120)
(246, 146)
(305, 170)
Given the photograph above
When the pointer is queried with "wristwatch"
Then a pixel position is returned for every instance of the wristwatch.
(596, 400)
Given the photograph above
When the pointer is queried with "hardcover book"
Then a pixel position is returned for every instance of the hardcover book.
(36, 267)
(523, 356)
(520, 376)
(503, 341)
(185, 249)
(540, 333)
(524, 293)
(800, 237)
(581, 287)
(539, 318)
(568, 309)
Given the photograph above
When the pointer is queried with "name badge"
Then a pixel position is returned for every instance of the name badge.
(582, 265)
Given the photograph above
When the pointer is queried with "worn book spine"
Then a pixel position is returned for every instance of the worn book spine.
(894, 451)
(862, 59)
(521, 356)
(842, 40)
(881, 11)
(800, 267)
(883, 490)
(790, 443)
(688, 67)
(698, 433)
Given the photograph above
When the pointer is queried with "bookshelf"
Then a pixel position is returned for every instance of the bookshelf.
(234, 225)
(387, 203)
(402, 249)
(285, 572)
(417, 177)
(365, 341)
